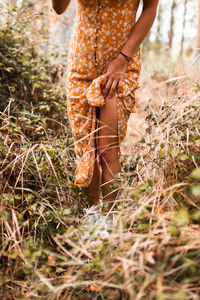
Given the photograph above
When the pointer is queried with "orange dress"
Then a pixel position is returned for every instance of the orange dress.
(102, 28)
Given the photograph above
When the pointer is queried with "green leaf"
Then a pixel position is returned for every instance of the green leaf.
(27, 252)
(174, 231)
(174, 152)
(197, 142)
(195, 189)
(184, 157)
(162, 146)
(142, 227)
(161, 153)
(9, 69)
(181, 217)
(67, 211)
(196, 215)
(196, 173)
(191, 269)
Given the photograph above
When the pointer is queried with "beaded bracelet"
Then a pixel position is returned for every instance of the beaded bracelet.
(126, 56)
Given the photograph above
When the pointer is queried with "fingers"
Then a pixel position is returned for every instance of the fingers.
(112, 90)
(104, 82)
(109, 86)
(111, 83)
(106, 88)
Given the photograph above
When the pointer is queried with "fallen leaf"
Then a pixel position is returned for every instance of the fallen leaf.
(158, 210)
(51, 260)
(4, 127)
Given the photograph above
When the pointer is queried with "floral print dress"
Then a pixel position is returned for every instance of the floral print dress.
(102, 28)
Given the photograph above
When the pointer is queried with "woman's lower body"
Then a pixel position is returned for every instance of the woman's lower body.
(98, 131)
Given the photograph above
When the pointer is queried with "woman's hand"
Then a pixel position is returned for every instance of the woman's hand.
(113, 76)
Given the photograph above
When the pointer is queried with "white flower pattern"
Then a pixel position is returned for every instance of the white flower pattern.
(102, 28)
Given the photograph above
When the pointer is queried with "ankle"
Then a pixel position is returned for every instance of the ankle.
(93, 200)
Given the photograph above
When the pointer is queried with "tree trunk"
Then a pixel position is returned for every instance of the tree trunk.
(183, 31)
(159, 18)
(172, 21)
(197, 47)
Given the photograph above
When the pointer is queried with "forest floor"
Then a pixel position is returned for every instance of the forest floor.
(153, 251)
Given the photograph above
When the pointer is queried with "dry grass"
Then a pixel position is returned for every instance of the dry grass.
(153, 251)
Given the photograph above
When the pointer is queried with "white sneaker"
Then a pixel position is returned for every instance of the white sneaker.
(98, 222)
(92, 214)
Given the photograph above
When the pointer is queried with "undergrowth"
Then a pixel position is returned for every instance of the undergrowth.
(153, 251)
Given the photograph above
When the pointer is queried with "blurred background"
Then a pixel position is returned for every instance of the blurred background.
(176, 28)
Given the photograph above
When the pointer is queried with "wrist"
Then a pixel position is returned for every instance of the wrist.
(122, 59)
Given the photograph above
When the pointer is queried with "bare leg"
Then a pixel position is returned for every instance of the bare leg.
(108, 148)
(93, 190)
